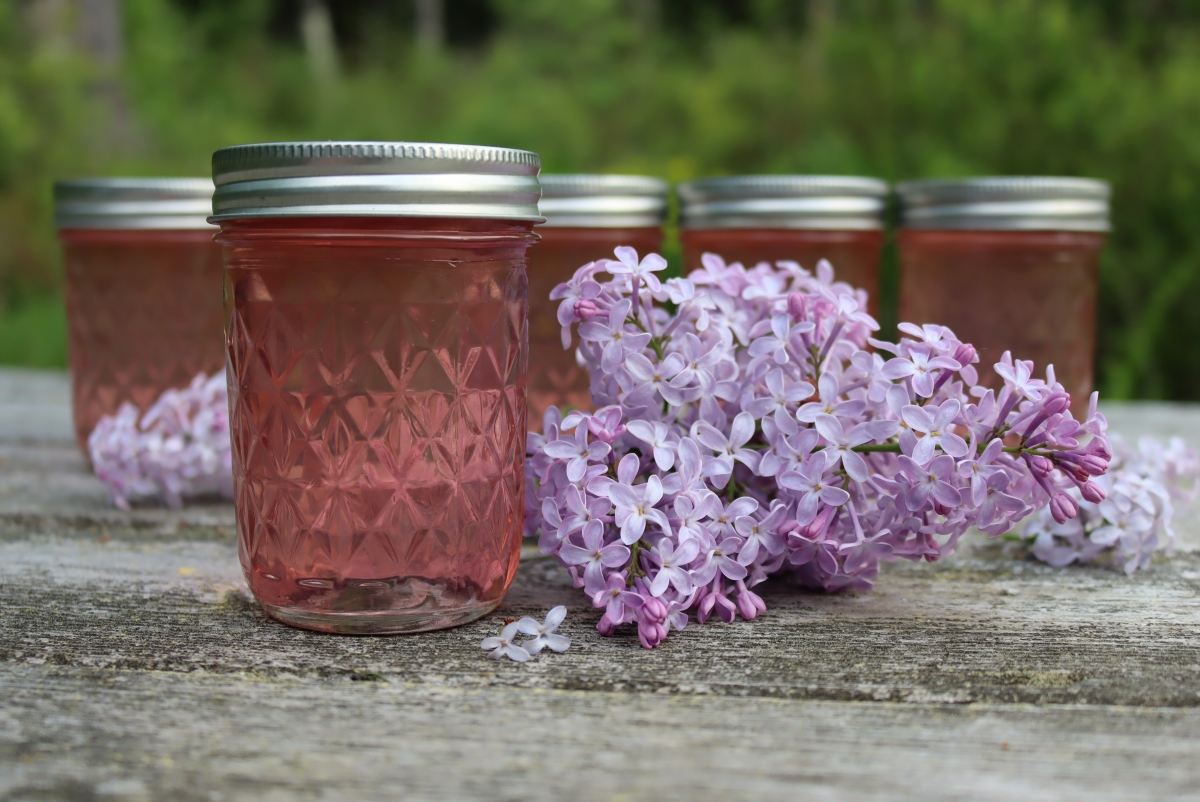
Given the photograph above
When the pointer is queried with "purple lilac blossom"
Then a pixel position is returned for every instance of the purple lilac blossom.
(180, 448)
(544, 635)
(505, 645)
(1143, 490)
(751, 432)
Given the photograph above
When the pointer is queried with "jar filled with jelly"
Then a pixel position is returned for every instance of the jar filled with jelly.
(142, 289)
(801, 218)
(1009, 264)
(587, 216)
(376, 330)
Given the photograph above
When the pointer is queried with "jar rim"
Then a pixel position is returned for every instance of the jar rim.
(375, 179)
(1006, 203)
(338, 230)
(827, 202)
(133, 203)
(603, 201)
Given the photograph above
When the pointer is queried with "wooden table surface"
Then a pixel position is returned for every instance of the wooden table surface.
(134, 665)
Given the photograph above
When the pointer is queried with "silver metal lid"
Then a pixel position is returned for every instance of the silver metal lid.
(830, 202)
(375, 179)
(1030, 203)
(133, 203)
(604, 201)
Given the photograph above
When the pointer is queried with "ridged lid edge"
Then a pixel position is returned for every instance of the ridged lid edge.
(132, 203)
(289, 159)
(563, 185)
(935, 191)
(999, 203)
(775, 186)
(387, 179)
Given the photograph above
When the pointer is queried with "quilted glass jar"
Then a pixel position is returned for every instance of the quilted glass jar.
(801, 218)
(142, 288)
(376, 297)
(587, 216)
(1010, 264)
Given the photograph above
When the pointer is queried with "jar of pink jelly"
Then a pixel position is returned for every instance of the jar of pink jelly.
(587, 216)
(376, 330)
(1010, 264)
(803, 218)
(142, 288)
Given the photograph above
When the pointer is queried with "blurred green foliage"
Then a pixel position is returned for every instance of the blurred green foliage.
(677, 88)
(34, 332)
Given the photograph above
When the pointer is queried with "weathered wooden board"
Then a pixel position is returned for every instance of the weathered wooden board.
(133, 665)
(103, 734)
(47, 488)
(35, 406)
(973, 630)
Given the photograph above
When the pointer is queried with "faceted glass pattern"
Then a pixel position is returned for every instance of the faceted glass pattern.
(555, 378)
(968, 280)
(377, 395)
(144, 315)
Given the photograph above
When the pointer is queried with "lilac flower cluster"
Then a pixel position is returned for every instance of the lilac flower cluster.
(750, 432)
(1143, 491)
(179, 448)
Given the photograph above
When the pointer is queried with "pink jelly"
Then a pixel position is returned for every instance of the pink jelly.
(142, 285)
(801, 218)
(587, 217)
(377, 393)
(1009, 264)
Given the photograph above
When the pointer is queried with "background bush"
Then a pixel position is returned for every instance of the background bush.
(677, 88)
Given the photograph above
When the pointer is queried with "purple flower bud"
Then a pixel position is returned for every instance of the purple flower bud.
(726, 610)
(817, 528)
(606, 424)
(749, 604)
(965, 354)
(653, 609)
(1093, 465)
(651, 633)
(797, 307)
(586, 309)
(1092, 492)
(1074, 471)
(605, 626)
(787, 527)
(1041, 466)
(1056, 403)
(1063, 508)
(705, 607)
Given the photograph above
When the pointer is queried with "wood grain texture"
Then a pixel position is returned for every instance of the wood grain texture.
(134, 665)
(96, 734)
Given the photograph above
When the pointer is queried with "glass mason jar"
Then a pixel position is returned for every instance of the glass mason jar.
(142, 289)
(587, 216)
(803, 218)
(1010, 264)
(376, 329)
